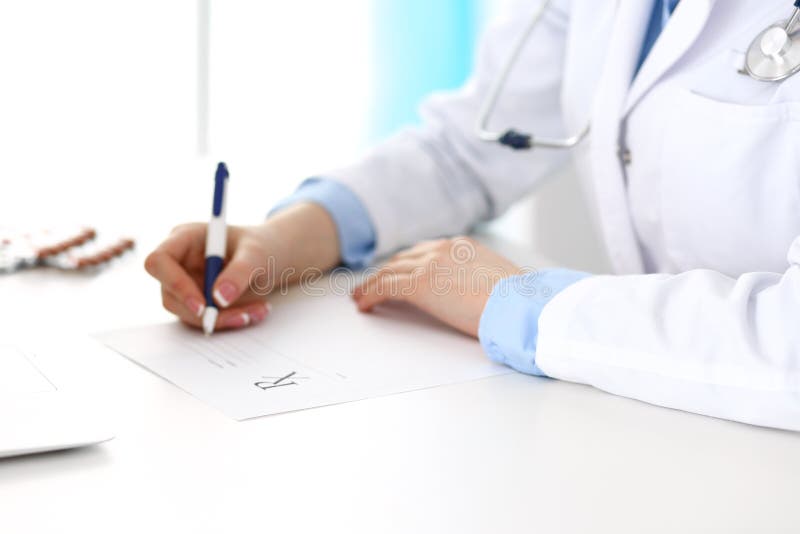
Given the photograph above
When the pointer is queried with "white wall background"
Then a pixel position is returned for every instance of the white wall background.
(98, 106)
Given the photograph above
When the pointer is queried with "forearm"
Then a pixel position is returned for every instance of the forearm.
(698, 341)
(440, 179)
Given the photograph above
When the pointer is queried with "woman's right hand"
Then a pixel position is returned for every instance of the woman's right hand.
(296, 238)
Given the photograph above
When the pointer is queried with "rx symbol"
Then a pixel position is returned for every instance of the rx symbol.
(278, 381)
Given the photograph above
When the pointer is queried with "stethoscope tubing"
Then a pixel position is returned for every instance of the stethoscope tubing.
(520, 140)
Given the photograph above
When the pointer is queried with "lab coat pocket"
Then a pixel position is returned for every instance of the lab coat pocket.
(730, 184)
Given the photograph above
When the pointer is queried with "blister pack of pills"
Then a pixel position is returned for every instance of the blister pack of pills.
(76, 248)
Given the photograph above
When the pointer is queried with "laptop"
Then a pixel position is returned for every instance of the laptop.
(36, 416)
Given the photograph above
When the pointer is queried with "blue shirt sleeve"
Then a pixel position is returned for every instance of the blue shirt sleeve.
(509, 325)
(353, 224)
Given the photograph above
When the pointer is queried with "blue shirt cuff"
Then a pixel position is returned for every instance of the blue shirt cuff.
(509, 325)
(353, 225)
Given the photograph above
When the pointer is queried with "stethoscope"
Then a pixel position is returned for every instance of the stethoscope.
(774, 55)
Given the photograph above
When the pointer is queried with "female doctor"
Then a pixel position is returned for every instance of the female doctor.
(691, 162)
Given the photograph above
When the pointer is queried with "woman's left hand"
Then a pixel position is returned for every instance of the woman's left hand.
(450, 279)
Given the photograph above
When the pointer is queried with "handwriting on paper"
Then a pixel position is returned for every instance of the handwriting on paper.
(278, 381)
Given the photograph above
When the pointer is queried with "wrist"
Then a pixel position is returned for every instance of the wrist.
(301, 236)
(348, 234)
(509, 325)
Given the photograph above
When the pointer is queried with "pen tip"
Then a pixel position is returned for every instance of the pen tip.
(209, 319)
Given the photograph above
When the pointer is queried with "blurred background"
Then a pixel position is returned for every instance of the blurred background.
(113, 113)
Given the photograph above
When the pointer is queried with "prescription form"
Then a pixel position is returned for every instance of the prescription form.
(313, 350)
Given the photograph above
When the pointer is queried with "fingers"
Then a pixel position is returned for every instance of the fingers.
(384, 287)
(396, 280)
(419, 249)
(401, 266)
(247, 261)
(237, 317)
(185, 241)
(181, 254)
(164, 267)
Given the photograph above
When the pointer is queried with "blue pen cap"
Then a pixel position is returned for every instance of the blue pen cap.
(219, 186)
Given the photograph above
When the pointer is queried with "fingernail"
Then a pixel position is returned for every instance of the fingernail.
(224, 293)
(195, 305)
(237, 321)
(260, 313)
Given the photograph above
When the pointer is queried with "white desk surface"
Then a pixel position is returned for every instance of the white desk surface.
(502, 455)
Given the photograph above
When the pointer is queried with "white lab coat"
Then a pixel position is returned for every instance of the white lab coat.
(710, 198)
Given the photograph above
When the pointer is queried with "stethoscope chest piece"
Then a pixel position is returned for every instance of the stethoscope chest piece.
(774, 54)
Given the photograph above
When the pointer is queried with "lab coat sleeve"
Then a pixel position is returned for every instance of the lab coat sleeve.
(439, 179)
(698, 341)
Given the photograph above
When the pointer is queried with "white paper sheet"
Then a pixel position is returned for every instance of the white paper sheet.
(313, 350)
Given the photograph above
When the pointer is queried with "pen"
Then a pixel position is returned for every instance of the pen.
(215, 247)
